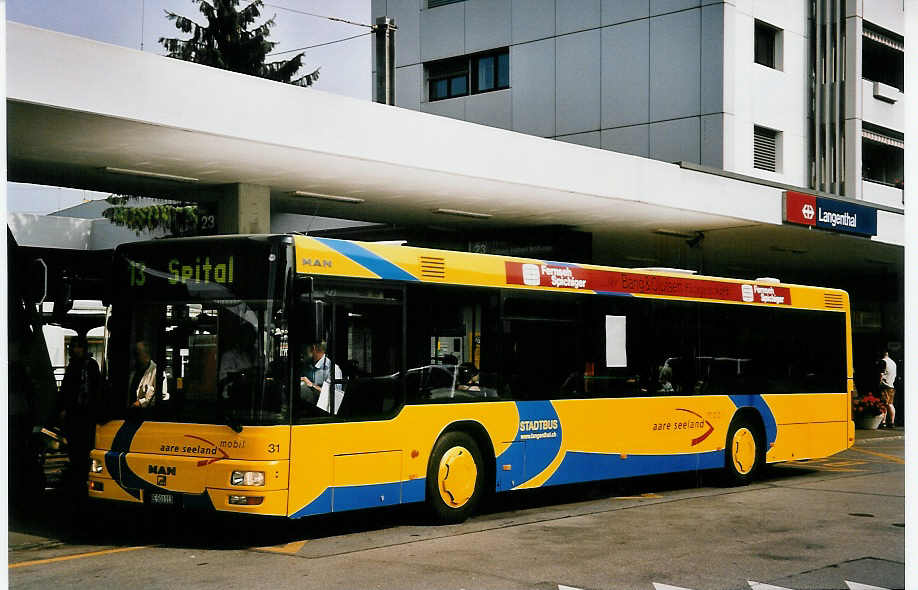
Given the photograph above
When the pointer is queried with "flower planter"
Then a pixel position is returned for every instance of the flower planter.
(868, 422)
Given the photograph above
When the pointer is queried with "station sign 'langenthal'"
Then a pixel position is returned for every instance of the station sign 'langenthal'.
(830, 214)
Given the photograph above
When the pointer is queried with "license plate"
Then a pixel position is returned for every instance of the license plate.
(163, 499)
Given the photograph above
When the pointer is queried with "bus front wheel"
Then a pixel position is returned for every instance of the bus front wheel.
(455, 478)
(745, 452)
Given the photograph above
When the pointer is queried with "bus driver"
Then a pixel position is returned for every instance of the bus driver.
(321, 380)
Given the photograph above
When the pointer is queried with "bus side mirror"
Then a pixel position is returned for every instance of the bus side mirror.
(63, 299)
(37, 289)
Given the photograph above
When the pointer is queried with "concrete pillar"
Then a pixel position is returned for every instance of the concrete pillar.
(854, 99)
(244, 209)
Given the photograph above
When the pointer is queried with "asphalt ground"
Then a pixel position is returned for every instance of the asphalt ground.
(811, 524)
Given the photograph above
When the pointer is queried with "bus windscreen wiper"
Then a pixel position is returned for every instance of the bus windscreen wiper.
(230, 420)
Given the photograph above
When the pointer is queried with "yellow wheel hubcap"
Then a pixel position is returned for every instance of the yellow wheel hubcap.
(744, 450)
(456, 476)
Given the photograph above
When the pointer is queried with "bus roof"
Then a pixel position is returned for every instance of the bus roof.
(368, 260)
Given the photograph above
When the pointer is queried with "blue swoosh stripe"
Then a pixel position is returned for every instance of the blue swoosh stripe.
(758, 402)
(125, 435)
(321, 505)
(121, 444)
(342, 498)
(561, 264)
(580, 466)
(369, 260)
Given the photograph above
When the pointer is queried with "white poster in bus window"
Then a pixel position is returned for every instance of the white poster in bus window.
(616, 355)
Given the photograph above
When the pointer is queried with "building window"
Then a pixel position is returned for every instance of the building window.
(882, 156)
(492, 72)
(768, 45)
(450, 78)
(883, 57)
(766, 146)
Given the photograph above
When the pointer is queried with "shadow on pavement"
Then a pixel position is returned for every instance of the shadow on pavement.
(67, 517)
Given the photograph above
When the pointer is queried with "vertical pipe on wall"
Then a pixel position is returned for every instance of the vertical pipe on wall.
(827, 111)
(833, 96)
(839, 96)
(817, 98)
(836, 93)
(385, 59)
(826, 95)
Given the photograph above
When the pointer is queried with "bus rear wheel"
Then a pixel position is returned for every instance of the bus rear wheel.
(745, 452)
(455, 478)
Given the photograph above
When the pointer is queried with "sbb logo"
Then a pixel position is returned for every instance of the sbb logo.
(808, 211)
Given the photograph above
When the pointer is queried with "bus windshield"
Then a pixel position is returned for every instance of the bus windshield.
(191, 349)
(208, 362)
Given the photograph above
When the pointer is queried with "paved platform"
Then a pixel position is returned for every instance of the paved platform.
(897, 433)
(808, 524)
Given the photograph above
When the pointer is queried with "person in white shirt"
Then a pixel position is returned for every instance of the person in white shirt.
(143, 377)
(322, 377)
(888, 388)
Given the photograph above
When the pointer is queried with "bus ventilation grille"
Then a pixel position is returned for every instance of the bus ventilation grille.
(834, 301)
(433, 267)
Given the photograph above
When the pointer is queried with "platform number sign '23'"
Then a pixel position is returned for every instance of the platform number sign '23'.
(829, 214)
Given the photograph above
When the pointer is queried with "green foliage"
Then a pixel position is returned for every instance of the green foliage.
(227, 42)
(176, 219)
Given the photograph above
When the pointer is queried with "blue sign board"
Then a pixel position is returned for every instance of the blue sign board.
(830, 214)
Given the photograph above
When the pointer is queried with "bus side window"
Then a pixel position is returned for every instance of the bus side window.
(543, 347)
(453, 345)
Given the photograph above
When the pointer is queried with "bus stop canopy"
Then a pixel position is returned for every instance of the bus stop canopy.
(90, 115)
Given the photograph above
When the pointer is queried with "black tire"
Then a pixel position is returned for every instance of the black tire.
(456, 444)
(741, 434)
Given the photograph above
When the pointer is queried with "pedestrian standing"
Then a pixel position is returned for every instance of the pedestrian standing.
(79, 397)
(888, 387)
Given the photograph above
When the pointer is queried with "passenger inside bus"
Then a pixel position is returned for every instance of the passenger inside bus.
(238, 359)
(143, 377)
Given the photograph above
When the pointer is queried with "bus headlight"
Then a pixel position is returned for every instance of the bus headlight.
(248, 478)
(96, 466)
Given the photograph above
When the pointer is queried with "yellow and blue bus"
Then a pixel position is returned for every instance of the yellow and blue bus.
(293, 376)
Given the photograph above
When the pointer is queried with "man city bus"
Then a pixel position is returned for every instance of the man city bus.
(291, 376)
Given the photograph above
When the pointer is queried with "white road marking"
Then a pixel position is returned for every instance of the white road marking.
(752, 584)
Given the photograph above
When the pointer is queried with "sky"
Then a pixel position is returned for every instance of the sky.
(345, 66)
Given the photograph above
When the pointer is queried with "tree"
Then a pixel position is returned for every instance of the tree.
(228, 42)
(176, 219)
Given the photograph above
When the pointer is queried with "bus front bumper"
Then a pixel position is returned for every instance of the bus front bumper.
(266, 502)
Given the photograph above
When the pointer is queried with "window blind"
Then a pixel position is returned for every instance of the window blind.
(764, 149)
